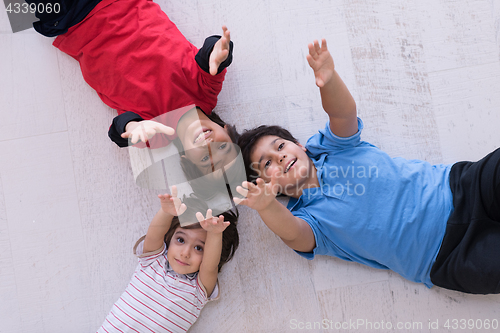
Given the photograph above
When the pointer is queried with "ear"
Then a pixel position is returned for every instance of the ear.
(301, 146)
(225, 129)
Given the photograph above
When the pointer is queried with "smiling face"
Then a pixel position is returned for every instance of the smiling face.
(205, 143)
(286, 161)
(185, 251)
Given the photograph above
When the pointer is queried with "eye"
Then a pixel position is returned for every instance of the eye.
(180, 240)
(281, 146)
(268, 163)
(223, 146)
(198, 248)
(205, 158)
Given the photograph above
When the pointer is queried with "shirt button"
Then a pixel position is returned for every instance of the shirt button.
(55, 24)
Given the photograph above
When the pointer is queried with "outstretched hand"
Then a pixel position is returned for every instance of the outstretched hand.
(170, 204)
(220, 51)
(258, 196)
(212, 224)
(145, 130)
(321, 61)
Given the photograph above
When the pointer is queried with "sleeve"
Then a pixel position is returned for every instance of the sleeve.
(318, 236)
(146, 259)
(325, 140)
(118, 127)
(203, 56)
(201, 289)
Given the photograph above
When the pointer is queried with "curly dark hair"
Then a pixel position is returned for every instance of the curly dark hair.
(230, 237)
(249, 139)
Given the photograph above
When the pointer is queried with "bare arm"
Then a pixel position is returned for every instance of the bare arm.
(170, 207)
(337, 101)
(209, 267)
(295, 232)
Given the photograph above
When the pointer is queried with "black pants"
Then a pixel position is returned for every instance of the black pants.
(71, 12)
(469, 258)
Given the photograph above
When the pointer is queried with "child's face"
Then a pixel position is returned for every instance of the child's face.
(206, 143)
(185, 250)
(284, 160)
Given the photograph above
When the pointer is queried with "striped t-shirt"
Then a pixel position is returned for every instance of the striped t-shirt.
(157, 299)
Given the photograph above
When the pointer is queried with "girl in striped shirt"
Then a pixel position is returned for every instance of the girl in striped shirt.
(177, 271)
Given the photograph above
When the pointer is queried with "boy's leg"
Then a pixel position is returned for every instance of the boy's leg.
(63, 15)
(469, 258)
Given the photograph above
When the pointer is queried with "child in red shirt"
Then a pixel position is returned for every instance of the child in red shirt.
(140, 64)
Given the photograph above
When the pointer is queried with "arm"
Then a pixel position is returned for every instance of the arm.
(337, 101)
(216, 53)
(118, 127)
(209, 267)
(295, 232)
(170, 207)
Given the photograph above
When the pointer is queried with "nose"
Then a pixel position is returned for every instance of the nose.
(282, 157)
(185, 252)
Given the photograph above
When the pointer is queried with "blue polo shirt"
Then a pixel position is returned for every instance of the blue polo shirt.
(384, 212)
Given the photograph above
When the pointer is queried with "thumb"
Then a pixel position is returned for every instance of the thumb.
(213, 67)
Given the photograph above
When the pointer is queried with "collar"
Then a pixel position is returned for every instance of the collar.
(189, 276)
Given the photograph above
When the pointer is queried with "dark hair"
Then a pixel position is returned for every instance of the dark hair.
(249, 139)
(230, 237)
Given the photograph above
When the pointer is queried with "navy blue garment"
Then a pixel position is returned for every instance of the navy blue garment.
(71, 12)
(469, 258)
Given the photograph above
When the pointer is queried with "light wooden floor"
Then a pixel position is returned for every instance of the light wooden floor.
(426, 78)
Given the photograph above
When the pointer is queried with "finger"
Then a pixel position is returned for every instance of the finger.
(312, 51)
(164, 196)
(181, 209)
(310, 61)
(261, 183)
(143, 137)
(213, 68)
(174, 191)
(227, 35)
(316, 46)
(323, 45)
(199, 217)
(242, 191)
(125, 135)
(134, 138)
(209, 214)
(248, 185)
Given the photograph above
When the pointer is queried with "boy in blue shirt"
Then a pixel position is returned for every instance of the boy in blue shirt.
(433, 224)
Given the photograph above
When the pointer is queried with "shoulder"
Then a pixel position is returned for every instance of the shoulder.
(325, 139)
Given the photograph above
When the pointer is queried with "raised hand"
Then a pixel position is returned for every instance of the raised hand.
(321, 61)
(212, 224)
(145, 130)
(258, 196)
(170, 204)
(220, 51)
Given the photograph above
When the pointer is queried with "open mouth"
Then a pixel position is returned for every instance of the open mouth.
(290, 165)
(202, 135)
